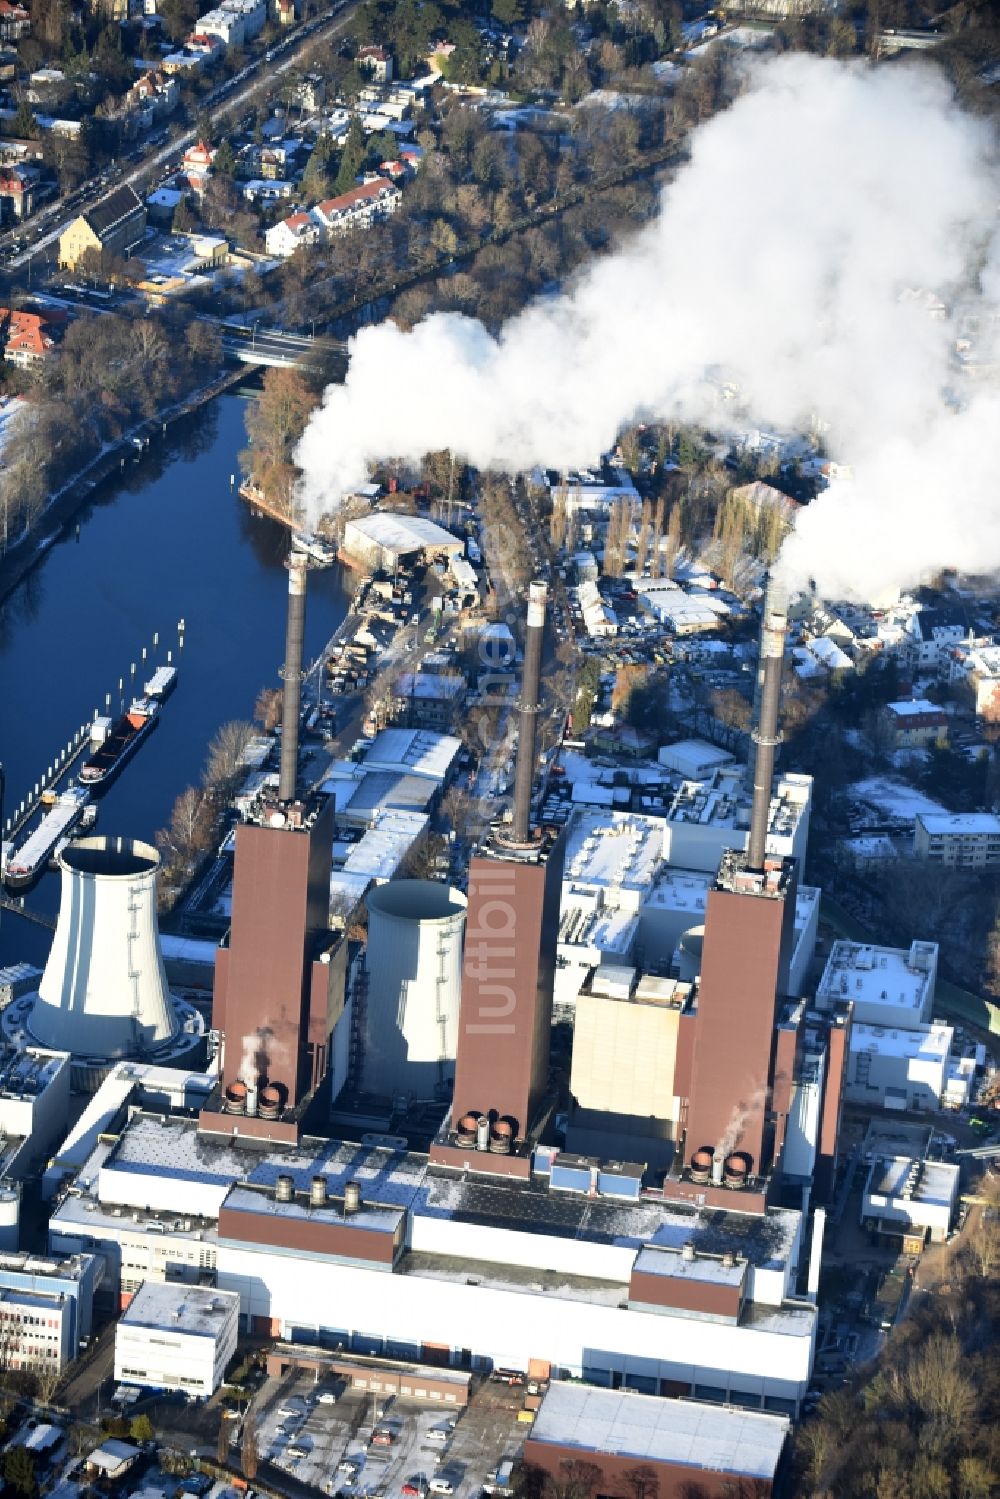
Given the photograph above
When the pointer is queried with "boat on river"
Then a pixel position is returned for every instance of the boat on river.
(24, 865)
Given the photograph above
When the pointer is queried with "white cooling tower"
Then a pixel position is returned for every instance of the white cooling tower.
(104, 992)
(414, 963)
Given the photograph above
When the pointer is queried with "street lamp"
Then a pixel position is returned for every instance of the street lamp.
(253, 340)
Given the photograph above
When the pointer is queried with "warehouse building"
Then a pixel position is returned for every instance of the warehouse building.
(386, 539)
(177, 1338)
(681, 1448)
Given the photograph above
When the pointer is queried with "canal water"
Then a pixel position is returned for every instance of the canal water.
(170, 541)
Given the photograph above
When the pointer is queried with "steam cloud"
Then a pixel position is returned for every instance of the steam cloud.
(796, 257)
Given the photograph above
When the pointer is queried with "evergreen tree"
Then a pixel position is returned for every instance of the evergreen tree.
(224, 160)
(352, 157)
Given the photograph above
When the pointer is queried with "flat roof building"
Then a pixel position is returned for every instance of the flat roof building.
(174, 1337)
(907, 1195)
(958, 840)
(888, 986)
(685, 1446)
(898, 1069)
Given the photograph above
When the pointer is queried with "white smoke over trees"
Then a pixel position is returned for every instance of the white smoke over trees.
(795, 258)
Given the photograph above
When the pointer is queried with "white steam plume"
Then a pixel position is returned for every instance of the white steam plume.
(782, 260)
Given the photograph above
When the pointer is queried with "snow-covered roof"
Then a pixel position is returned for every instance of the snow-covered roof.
(649, 1429)
(403, 533)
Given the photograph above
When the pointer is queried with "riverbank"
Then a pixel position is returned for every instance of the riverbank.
(70, 498)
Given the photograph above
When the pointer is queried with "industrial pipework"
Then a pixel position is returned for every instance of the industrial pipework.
(524, 774)
(295, 630)
(766, 735)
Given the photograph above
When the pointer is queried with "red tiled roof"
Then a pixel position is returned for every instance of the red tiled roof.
(367, 191)
(23, 332)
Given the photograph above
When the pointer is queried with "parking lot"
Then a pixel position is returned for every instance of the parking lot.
(321, 1433)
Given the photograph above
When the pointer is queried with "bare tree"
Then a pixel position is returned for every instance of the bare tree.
(267, 708)
(225, 755)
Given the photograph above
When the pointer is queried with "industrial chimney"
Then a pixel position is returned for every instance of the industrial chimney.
(766, 736)
(524, 775)
(295, 630)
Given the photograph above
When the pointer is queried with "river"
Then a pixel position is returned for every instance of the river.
(170, 541)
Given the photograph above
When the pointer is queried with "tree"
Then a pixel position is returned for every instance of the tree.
(183, 220)
(275, 422)
(224, 160)
(23, 124)
(222, 1441)
(352, 156)
(225, 756)
(141, 1429)
(267, 708)
(18, 1468)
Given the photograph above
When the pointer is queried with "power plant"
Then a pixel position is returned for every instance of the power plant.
(104, 994)
(278, 990)
(505, 1019)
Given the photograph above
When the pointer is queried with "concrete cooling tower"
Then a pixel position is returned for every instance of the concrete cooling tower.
(104, 995)
(414, 962)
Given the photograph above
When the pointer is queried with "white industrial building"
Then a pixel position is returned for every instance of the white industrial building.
(694, 759)
(371, 1247)
(907, 1195)
(174, 1337)
(685, 613)
(958, 840)
(46, 1308)
(708, 816)
(888, 986)
(413, 983)
(104, 993)
(622, 901)
(385, 539)
(898, 1069)
(898, 1058)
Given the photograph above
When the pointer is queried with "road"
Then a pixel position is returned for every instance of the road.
(263, 74)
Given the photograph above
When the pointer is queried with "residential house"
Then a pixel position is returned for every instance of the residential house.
(310, 92)
(359, 207)
(18, 186)
(235, 21)
(285, 13)
(204, 45)
(428, 700)
(285, 238)
(963, 840)
(916, 723)
(376, 62)
(155, 91)
(15, 22)
(977, 668)
(931, 635)
(117, 224)
(25, 337)
(259, 191)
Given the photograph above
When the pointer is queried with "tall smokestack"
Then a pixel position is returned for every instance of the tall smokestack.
(524, 775)
(295, 631)
(765, 735)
